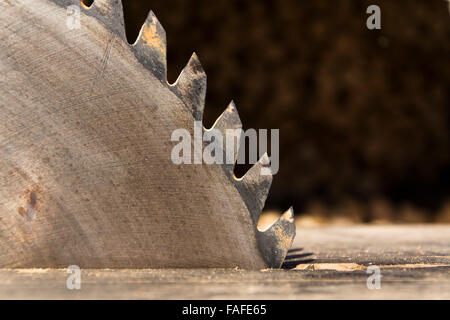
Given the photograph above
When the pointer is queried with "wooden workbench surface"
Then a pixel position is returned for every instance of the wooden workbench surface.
(327, 262)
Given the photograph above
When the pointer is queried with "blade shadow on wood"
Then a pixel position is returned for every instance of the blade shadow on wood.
(294, 258)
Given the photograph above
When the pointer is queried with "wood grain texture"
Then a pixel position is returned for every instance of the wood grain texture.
(414, 262)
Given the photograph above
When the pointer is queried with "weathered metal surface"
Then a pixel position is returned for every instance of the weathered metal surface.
(414, 264)
(86, 175)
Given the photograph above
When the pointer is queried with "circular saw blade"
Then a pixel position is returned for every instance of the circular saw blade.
(85, 142)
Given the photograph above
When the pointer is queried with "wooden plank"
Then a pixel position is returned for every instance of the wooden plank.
(414, 263)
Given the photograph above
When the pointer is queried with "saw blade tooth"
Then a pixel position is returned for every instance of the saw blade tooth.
(150, 46)
(275, 241)
(229, 119)
(230, 125)
(110, 12)
(191, 86)
(254, 186)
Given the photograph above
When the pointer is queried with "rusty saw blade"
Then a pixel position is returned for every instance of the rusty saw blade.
(86, 175)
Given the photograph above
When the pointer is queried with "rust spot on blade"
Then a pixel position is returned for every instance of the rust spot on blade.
(22, 211)
(151, 38)
(30, 210)
(284, 239)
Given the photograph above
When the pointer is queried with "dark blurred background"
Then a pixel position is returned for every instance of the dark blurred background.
(363, 114)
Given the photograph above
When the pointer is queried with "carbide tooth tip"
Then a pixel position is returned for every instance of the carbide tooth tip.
(195, 65)
(265, 160)
(229, 119)
(289, 214)
(232, 108)
(152, 19)
(194, 58)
